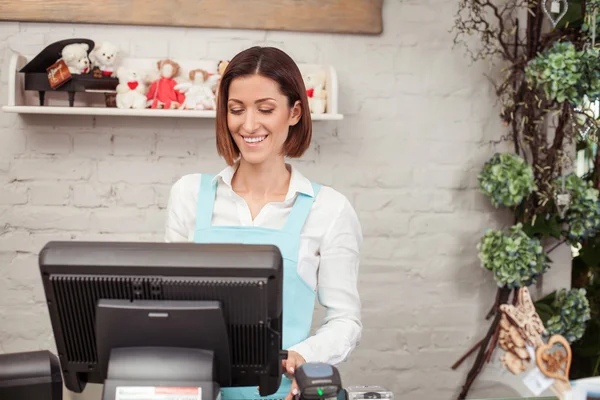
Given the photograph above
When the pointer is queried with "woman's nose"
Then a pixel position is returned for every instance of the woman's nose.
(250, 124)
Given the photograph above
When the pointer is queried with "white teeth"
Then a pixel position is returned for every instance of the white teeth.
(254, 139)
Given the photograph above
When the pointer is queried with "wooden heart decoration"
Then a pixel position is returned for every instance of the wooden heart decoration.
(554, 363)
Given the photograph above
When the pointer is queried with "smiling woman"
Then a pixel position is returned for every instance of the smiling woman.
(262, 117)
(262, 94)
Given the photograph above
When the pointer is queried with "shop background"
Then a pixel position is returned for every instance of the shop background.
(420, 121)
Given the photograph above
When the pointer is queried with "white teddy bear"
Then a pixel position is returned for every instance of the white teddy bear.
(131, 90)
(104, 57)
(76, 58)
(316, 92)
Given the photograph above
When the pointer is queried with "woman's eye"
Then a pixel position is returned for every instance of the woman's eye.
(237, 111)
(266, 111)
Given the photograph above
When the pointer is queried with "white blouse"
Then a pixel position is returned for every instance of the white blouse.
(328, 259)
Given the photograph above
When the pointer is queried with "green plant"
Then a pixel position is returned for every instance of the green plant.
(506, 179)
(583, 214)
(565, 73)
(566, 313)
(591, 19)
(585, 273)
(548, 78)
(514, 258)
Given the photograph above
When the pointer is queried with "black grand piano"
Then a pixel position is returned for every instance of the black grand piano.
(36, 76)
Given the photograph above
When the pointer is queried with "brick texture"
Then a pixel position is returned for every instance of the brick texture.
(418, 119)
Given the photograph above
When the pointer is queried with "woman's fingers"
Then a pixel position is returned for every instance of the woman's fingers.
(294, 360)
(293, 391)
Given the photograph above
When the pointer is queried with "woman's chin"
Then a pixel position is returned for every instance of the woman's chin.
(254, 157)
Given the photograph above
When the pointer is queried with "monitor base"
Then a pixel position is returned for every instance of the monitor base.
(160, 373)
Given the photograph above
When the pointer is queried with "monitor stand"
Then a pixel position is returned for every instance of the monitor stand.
(150, 373)
(148, 344)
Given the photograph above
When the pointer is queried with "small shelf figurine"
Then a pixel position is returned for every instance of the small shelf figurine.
(131, 91)
(221, 67)
(315, 90)
(75, 56)
(104, 60)
(162, 92)
(198, 92)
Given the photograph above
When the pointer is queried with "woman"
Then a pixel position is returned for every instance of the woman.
(263, 117)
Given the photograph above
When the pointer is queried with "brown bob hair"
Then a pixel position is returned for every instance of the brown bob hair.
(275, 64)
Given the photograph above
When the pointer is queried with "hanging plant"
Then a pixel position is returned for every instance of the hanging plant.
(565, 73)
(567, 313)
(557, 72)
(514, 258)
(583, 214)
(506, 179)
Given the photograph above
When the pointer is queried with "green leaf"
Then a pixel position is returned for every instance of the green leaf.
(547, 299)
(545, 312)
(544, 227)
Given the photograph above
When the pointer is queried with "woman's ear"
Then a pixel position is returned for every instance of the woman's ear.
(296, 113)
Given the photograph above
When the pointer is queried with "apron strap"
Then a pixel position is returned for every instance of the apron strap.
(206, 201)
(300, 211)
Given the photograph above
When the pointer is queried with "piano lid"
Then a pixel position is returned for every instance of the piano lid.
(51, 54)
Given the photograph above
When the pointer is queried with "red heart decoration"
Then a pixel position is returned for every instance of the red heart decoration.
(132, 85)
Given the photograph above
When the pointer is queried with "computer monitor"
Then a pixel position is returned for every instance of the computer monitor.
(139, 316)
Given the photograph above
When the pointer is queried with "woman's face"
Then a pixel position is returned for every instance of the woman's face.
(259, 117)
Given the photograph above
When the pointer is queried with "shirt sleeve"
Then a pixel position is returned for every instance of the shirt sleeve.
(341, 328)
(176, 225)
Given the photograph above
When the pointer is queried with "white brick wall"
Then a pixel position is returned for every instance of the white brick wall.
(407, 155)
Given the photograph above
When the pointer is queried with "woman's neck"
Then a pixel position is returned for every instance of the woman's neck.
(262, 180)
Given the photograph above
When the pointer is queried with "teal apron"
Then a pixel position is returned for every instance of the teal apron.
(298, 297)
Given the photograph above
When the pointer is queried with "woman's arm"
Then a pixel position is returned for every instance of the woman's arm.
(341, 328)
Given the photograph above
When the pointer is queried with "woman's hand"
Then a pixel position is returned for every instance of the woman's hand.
(293, 361)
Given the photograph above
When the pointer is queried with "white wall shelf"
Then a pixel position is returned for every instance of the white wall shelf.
(66, 110)
(27, 102)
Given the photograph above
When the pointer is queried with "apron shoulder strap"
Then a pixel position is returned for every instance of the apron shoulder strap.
(206, 201)
(300, 211)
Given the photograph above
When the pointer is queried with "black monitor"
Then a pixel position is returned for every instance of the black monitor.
(138, 316)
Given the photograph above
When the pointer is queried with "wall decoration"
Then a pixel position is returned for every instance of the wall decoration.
(337, 16)
(550, 81)
(130, 86)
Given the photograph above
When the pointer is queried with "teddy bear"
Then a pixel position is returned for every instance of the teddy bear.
(162, 92)
(315, 90)
(131, 90)
(104, 58)
(198, 92)
(75, 56)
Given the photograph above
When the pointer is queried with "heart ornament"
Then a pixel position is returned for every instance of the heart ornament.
(557, 10)
(554, 359)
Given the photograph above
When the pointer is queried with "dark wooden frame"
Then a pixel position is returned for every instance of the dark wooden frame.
(327, 16)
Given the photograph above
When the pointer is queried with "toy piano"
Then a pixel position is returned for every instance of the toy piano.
(42, 71)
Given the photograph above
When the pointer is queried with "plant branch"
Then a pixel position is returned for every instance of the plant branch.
(485, 347)
(555, 246)
(467, 354)
(492, 311)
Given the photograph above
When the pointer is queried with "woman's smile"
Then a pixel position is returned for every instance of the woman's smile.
(254, 140)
